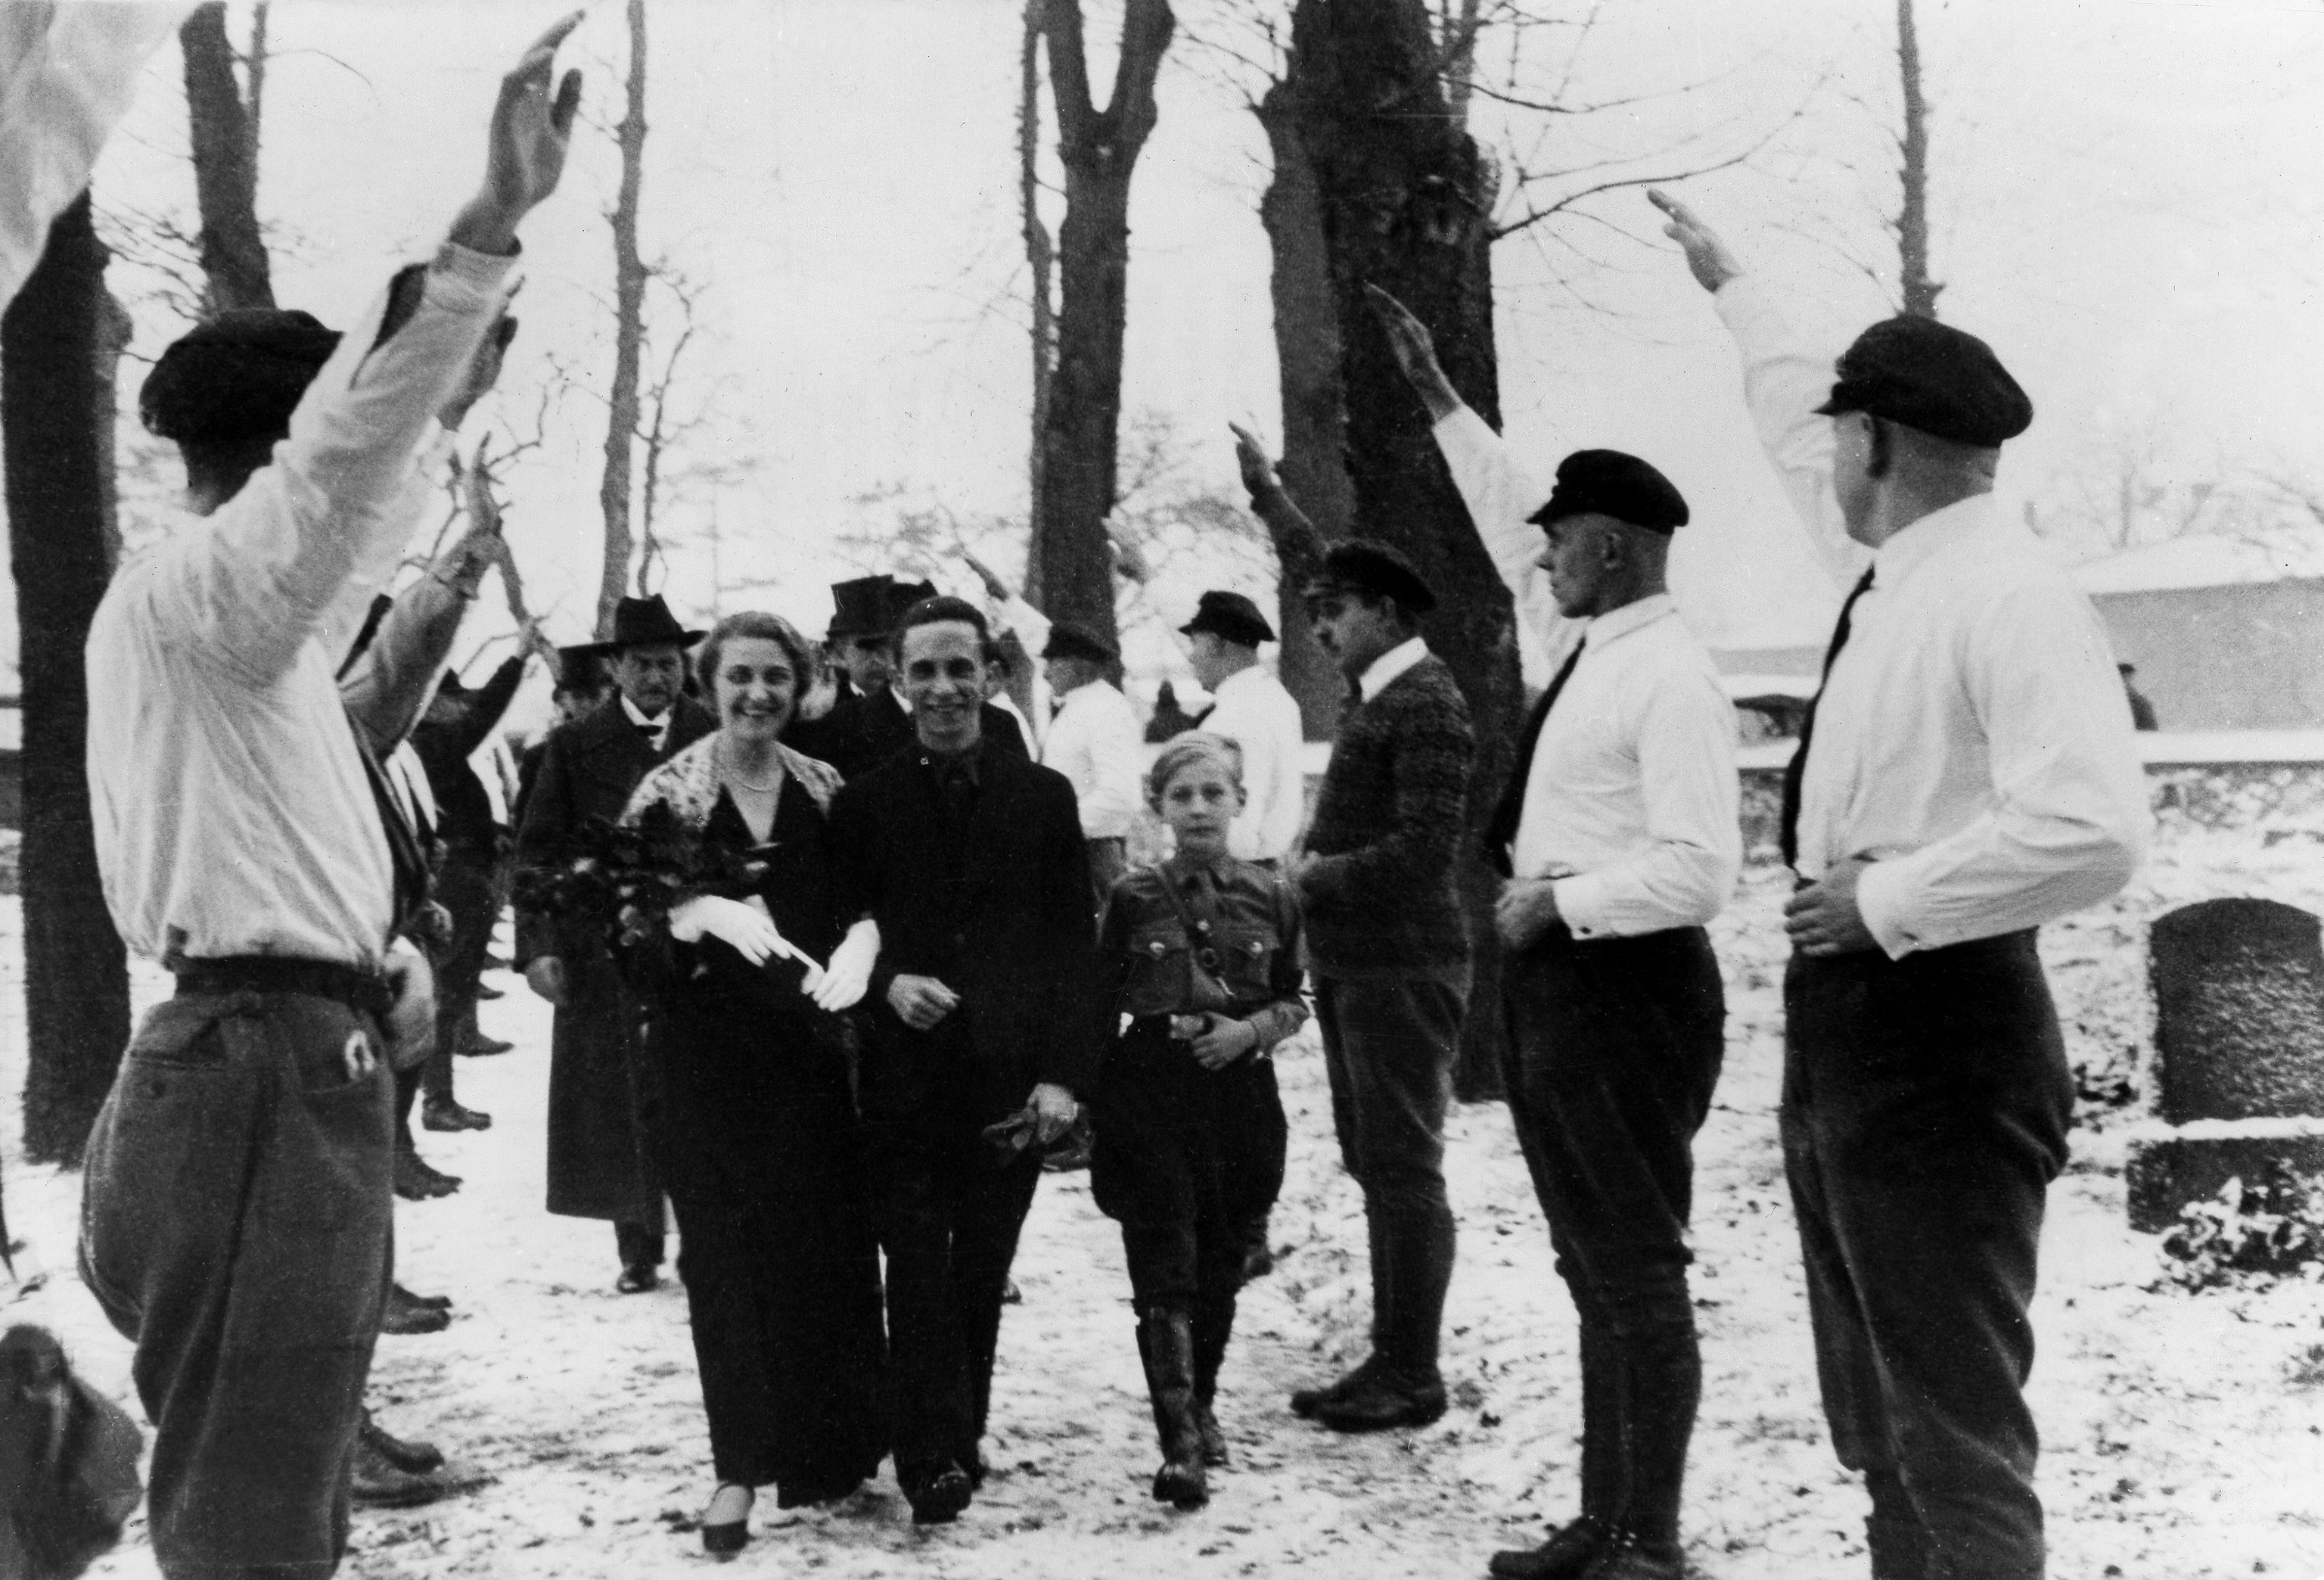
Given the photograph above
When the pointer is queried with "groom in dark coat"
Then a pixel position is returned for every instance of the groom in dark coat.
(984, 1013)
(600, 1163)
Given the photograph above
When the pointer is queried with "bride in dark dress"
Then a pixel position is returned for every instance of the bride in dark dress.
(759, 1131)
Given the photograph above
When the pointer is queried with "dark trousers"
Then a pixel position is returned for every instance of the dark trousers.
(640, 1243)
(1388, 1047)
(1925, 1107)
(234, 1225)
(467, 886)
(1182, 1158)
(1613, 1051)
(949, 1212)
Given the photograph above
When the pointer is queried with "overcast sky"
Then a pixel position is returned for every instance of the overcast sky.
(2126, 206)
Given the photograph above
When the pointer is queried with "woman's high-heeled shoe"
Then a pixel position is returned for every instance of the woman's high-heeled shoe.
(727, 1537)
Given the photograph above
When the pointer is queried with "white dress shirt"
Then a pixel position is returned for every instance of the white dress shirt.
(1095, 742)
(233, 815)
(1973, 736)
(1254, 711)
(1389, 667)
(659, 723)
(1632, 802)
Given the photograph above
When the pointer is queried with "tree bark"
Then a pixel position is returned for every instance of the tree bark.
(58, 342)
(1041, 257)
(1401, 186)
(1314, 412)
(629, 333)
(226, 165)
(1099, 150)
(1920, 291)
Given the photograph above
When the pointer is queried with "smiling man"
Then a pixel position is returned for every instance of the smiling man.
(970, 858)
(1619, 839)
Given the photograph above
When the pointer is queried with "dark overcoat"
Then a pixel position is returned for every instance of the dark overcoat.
(600, 1163)
(863, 733)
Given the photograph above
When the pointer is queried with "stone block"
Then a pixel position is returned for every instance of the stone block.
(2169, 1166)
(2239, 1010)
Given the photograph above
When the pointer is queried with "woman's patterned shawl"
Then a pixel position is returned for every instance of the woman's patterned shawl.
(688, 783)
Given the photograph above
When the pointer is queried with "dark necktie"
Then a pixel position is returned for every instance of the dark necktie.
(1795, 772)
(1503, 827)
(411, 864)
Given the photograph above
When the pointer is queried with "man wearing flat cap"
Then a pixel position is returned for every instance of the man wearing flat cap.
(868, 722)
(1966, 775)
(1094, 740)
(1619, 837)
(600, 1156)
(1389, 952)
(237, 1197)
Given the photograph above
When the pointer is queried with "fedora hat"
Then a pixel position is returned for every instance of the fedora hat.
(646, 622)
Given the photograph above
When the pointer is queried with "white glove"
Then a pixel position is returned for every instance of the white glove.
(745, 927)
(849, 975)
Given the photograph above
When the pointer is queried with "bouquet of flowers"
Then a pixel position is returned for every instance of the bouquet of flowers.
(626, 877)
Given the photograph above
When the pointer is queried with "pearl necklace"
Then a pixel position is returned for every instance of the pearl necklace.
(735, 778)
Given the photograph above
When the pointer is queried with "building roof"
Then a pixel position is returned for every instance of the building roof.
(2204, 560)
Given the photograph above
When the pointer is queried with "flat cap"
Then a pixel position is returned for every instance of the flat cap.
(1232, 616)
(1374, 569)
(1069, 640)
(1932, 377)
(1611, 483)
(236, 378)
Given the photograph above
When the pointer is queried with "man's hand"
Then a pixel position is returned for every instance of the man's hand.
(1415, 350)
(1129, 559)
(1252, 460)
(1000, 591)
(531, 134)
(1822, 918)
(411, 1018)
(1713, 264)
(1054, 1111)
(921, 1002)
(546, 976)
(1226, 1042)
(1524, 913)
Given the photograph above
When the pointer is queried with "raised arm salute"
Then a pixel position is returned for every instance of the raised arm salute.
(237, 1197)
(1619, 838)
(1967, 773)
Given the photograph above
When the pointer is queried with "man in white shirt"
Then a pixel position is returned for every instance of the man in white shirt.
(1967, 773)
(236, 1210)
(1619, 837)
(1095, 742)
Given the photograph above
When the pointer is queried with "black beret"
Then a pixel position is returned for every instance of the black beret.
(1932, 377)
(1069, 640)
(1232, 616)
(1366, 566)
(236, 378)
(1609, 482)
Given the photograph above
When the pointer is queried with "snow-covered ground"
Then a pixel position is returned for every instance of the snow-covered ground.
(2185, 1434)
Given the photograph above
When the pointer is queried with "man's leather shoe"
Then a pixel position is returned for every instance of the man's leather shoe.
(1306, 1401)
(1258, 1261)
(637, 1279)
(488, 991)
(443, 1113)
(1624, 1557)
(1563, 1556)
(480, 1046)
(440, 1302)
(1011, 1295)
(411, 1458)
(1382, 1402)
(405, 1317)
(379, 1485)
(416, 1182)
(939, 1499)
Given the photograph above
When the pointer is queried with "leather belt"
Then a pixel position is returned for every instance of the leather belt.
(366, 993)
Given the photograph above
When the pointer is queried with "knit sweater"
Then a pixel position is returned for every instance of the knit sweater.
(1381, 896)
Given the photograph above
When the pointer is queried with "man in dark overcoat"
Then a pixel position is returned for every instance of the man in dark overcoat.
(868, 723)
(983, 1014)
(600, 1160)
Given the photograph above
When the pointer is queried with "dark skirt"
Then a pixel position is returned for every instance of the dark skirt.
(762, 1154)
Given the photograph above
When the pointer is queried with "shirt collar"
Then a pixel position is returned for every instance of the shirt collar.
(944, 763)
(1179, 865)
(1389, 667)
(1922, 541)
(657, 723)
(1617, 624)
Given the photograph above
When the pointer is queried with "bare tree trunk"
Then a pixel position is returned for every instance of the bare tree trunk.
(629, 332)
(1912, 219)
(1314, 413)
(253, 71)
(57, 343)
(1099, 150)
(226, 165)
(1040, 256)
(1457, 37)
(1400, 184)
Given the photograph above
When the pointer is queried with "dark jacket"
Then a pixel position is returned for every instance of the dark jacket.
(1248, 923)
(863, 733)
(1382, 900)
(1000, 913)
(463, 810)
